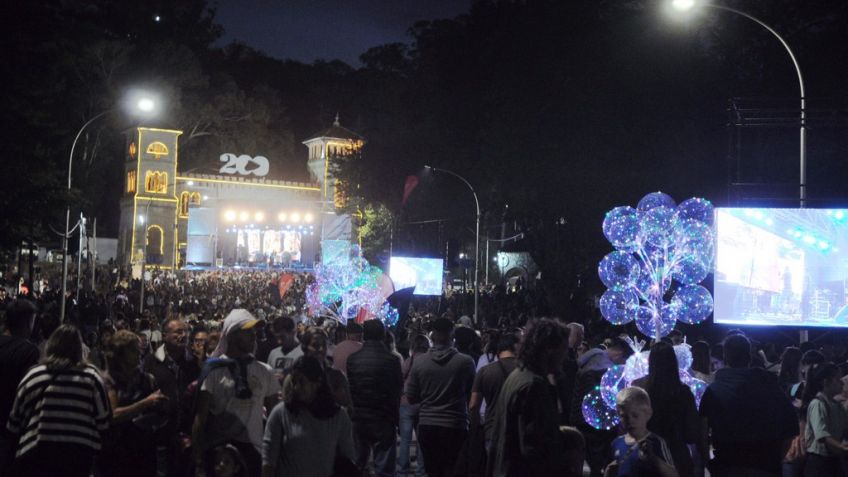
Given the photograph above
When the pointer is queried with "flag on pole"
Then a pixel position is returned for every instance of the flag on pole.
(284, 284)
(408, 187)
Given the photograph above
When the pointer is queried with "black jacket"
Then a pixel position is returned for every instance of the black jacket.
(375, 383)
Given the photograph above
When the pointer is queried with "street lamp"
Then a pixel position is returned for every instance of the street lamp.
(476, 241)
(685, 6)
(139, 103)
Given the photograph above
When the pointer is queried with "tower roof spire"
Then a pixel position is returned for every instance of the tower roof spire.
(336, 122)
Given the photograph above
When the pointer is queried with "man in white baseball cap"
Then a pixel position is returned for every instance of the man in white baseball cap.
(232, 394)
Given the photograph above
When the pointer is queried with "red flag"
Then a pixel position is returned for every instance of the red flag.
(408, 187)
(285, 283)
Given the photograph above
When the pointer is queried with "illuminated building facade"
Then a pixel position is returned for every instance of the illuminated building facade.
(172, 220)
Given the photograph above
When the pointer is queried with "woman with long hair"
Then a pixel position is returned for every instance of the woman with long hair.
(307, 432)
(675, 417)
(134, 397)
(701, 363)
(826, 421)
(790, 369)
(61, 411)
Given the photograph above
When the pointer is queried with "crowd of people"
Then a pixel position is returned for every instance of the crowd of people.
(215, 374)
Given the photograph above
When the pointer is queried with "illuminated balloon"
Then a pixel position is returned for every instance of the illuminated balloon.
(655, 226)
(619, 307)
(650, 323)
(698, 388)
(621, 227)
(695, 209)
(693, 304)
(596, 413)
(636, 366)
(619, 270)
(690, 270)
(655, 199)
(611, 383)
(684, 356)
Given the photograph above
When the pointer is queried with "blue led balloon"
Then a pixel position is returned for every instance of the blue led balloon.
(611, 383)
(684, 356)
(689, 270)
(621, 227)
(655, 226)
(596, 413)
(619, 270)
(693, 304)
(619, 308)
(649, 323)
(655, 199)
(698, 388)
(695, 209)
(636, 366)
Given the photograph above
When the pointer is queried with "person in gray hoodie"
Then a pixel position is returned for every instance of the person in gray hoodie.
(441, 382)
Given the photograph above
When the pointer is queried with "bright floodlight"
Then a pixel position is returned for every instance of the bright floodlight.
(244, 216)
(295, 217)
(141, 219)
(259, 216)
(146, 105)
(307, 217)
(230, 215)
(282, 217)
(683, 5)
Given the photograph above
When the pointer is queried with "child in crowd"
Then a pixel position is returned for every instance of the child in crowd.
(226, 462)
(639, 452)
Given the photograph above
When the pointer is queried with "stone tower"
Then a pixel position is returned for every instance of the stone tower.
(148, 232)
(325, 145)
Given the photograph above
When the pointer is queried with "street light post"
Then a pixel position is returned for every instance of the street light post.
(684, 5)
(476, 240)
(144, 105)
(65, 237)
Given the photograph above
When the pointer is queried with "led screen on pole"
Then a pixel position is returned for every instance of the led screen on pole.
(423, 273)
(781, 267)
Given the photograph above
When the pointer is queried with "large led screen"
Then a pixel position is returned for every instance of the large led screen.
(781, 267)
(423, 273)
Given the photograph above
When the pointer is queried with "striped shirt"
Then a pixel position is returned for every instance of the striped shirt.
(64, 406)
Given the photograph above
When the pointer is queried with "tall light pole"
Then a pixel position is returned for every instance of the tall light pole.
(476, 241)
(689, 5)
(144, 105)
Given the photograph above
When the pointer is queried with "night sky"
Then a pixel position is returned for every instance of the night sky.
(308, 30)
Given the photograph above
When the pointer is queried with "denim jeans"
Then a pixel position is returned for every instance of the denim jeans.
(379, 437)
(408, 423)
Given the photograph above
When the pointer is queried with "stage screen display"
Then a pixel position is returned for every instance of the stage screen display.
(781, 267)
(424, 273)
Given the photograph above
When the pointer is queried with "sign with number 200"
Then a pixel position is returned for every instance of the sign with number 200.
(244, 165)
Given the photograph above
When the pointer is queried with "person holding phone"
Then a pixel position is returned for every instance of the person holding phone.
(639, 452)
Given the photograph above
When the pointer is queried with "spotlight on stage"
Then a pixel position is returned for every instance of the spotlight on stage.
(282, 217)
(259, 216)
(307, 217)
(244, 216)
(230, 215)
(295, 217)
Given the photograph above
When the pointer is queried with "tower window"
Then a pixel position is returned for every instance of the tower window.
(132, 178)
(184, 198)
(156, 182)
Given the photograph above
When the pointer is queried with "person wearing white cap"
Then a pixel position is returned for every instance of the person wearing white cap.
(233, 389)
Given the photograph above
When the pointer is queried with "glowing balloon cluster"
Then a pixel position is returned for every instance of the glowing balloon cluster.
(599, 404)
(349, 289)
(657, 244)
